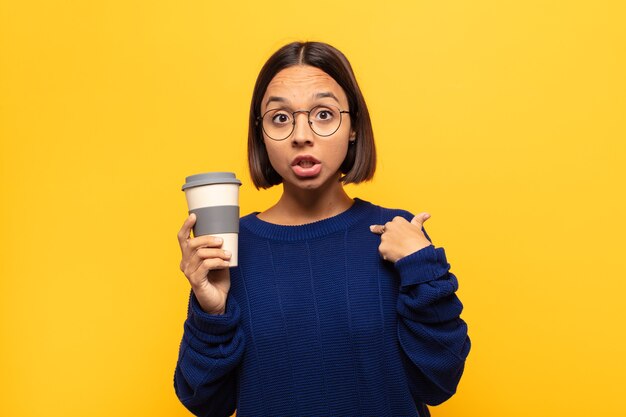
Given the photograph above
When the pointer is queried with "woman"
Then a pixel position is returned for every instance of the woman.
(338, 307)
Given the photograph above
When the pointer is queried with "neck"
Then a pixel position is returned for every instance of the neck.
(301, 206)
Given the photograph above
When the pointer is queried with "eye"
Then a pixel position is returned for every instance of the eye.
(281, 117)
(324, 114)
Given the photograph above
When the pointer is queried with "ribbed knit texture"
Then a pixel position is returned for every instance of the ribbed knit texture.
(317, 324)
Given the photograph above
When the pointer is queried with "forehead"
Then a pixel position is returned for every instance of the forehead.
(299, 85)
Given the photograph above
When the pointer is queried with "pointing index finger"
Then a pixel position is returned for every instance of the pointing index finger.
(379, 229)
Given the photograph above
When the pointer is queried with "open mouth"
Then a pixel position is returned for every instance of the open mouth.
(305, 163)
(306, 166)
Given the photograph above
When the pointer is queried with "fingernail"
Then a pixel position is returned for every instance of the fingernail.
(227, 253)
(372, 228)
(219, 240)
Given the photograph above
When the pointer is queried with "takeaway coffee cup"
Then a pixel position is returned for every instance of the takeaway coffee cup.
(214, 198)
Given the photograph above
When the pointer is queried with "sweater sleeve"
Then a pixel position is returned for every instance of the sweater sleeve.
(431, 333)
(212, 346)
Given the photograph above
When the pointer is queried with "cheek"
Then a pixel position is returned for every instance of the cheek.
(342, 144)
(336, 154)
(342, 151)
(273, 152)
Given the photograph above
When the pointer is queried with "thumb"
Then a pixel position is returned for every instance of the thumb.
(420, 219)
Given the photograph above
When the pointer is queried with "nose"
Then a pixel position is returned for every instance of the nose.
(302, 133)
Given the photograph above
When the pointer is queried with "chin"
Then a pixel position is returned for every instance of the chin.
(315, 183)
(306, 183)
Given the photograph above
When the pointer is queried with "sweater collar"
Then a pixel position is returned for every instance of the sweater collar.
(341, 221)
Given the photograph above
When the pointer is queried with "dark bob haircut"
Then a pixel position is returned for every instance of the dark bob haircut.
(360, 162)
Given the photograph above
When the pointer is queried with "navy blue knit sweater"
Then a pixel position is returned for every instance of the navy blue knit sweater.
(317, 324)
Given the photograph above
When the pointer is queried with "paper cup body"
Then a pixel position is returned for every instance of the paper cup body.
(214, 198)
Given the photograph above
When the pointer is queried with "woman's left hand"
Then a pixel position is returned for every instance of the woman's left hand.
(399, 238)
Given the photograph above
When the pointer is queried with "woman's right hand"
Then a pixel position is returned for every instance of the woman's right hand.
(205, 265)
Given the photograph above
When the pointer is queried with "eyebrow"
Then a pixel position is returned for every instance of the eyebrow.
(274, 98)
(325, 94)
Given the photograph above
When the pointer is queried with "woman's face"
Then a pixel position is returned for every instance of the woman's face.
(304, 159)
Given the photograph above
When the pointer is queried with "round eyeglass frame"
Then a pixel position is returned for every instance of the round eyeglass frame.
(293, 122)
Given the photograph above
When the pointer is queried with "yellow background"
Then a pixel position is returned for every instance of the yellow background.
(505, 120)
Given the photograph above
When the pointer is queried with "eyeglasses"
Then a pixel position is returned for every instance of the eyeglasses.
(324, 120)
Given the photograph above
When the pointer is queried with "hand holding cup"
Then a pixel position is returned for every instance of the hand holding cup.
(205, 264)
(213, 202)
